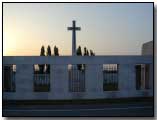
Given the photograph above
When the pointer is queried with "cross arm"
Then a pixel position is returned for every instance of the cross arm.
(78, 28)
(70, 28)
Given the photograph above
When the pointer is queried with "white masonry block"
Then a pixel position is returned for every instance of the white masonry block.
(59, 81)
(132, 79)
(24, 81)
(127, 82)
(151, 80)
(94, 80)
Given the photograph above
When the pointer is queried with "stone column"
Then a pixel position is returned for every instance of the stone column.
(59, 82)
(127, 81)
(24, 81)
(94, 80)
(143, 79)
(151, 85)
(132, 78)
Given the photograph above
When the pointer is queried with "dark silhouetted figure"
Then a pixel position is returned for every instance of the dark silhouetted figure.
(56, 52)
(41, 67)
(79, 53)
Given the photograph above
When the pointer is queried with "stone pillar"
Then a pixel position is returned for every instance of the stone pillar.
(94, 80)
(24, 81)
(151, 85)
(143, 78)
(127, 81)
(59, 81)
(132, 78)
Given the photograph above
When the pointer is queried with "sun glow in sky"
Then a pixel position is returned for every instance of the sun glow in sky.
(106, 28)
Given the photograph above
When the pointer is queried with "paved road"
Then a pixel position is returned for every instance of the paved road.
(135, 109)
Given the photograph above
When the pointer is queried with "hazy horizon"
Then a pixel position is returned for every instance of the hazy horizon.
(106, 28)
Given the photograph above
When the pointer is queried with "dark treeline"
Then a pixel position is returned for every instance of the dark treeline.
(49, 53)
(86, 53)
(46, 68)
(56, 51)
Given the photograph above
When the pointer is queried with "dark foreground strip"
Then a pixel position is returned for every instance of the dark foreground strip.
(113, 111)
(78, 101)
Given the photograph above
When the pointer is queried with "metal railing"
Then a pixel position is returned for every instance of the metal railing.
(9, 77)
(42, 79)
(110, 77)
(42, 82)
(76, 80)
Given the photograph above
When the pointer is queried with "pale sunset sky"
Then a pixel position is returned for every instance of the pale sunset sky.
(106, 28)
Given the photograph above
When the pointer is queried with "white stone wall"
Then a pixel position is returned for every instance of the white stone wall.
(59, 81)
(93, 77)
(94, 80)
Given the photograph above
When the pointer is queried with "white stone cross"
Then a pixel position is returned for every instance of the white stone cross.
(74, 28)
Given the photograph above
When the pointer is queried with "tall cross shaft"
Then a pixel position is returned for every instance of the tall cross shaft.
(74, 28)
